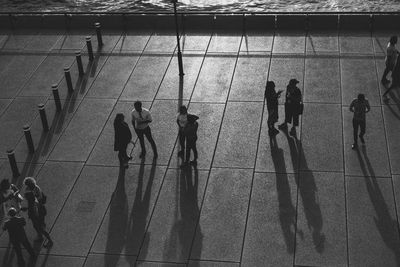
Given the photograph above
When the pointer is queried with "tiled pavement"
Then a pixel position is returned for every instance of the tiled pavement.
(252, 201)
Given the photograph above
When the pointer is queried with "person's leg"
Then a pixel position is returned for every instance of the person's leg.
(194, 148)
(28, 247)
(362, 131)
(121, 157)
(355, 132)
(140, 134)
(149, 137)
(188, 148)
(18, 253)
(181, 142)
(37, 227)
(287, 118)
(385, 73)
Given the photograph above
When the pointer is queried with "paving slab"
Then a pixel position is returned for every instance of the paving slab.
(250, 77)
(224, 43)
(220, 231)
(371, 210)
(380, 42)
(271, 225)
(174, 219)
(237, 142)
(322, 80)
(161, 43)
(72, 41)
(396, 187)
(82, 132)
(194, 263)
(372, 158)
(355, 43)
(195, 42)
(132, 42)
(110, 40)
(146, 78)
(158, 264)
(17, 73)
(321, 220)
(99, 260)
(5, 60)
(279, 154)
(175, 87)
(18, 41)
(43, 42)
(318, 43)
(214, 79)
(210, 116)
(289, 43)
(84, 211)
(321, 147)
(113, 76)
(122, 232)
(4, 104)
(359, 76)
(391, 116)
(256, 42)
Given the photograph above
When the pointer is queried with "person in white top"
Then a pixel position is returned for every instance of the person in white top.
(391, 58)
(141, 118)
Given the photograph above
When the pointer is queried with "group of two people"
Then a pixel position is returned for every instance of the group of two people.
(11, 201)
(141, 118)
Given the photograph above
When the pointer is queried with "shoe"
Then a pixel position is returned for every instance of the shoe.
(129, 158)
(362, 139)
(142, 155)
(385, 81)
(354, 146)
(275, 131)
(282, 126)
(293, 131)
(193, 162)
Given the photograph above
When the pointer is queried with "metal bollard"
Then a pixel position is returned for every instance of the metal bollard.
(13, 162)
(56, 96)
(43, 117)
(79, 62)
(98, 33)
(68, 80)
(28, 137)
(89, 47)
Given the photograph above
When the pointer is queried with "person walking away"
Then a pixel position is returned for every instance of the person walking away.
(359, 106)
(122, 137)
(271, 97)
(390, 59)
(191, 138)
(16, 232)
(141, 118)
(293, 104)
(181, 120)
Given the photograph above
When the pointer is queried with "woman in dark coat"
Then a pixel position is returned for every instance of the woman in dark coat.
(122, 138)
(292, 106)
(272, 106)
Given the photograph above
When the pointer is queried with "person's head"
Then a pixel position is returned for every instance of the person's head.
(393, 40)
(270, 86)
(119, 118)
(293, 82)
(191, 119)
(138, 106)
(30, 182)
(183, 110)
(361, 97)
(4, 185)
(12, 212)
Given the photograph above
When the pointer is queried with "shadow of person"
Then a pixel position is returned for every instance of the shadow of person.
(396, 100)
(137, 221)
(387, 226)
(118, 221)
(287, 211)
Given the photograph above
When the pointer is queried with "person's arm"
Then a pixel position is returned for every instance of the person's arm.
(367, 106)
(133, 121)
(148, 118)
(352, 106)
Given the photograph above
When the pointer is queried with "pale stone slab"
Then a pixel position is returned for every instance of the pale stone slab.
(4, 104)
(158, 264)
(289, 43)
(72, 41)
(122, 231)
(224, 43)
(391, 114)
(396, 187)
(250, 78)
(5, 60)
(132, 42)
(219, 234)
(254, 42)
(322, 43)
(372, 158)
(175, 87)
(380, 43)
(212, 264)
(17, 73)
(17, 41)
(99, 260)
(174, 219)
(195, 42)
(271, 225)
(210, 116)
(322, 80)
(43, 42)
(321, 220)
(321, 147)
(146, 77)
(359, 76)
(161, 43)
(84, 210)
(237, 143)
(113, 76)
(109, 42)
(214, 79)
(355, 43)
(82, 132)
(371, 220)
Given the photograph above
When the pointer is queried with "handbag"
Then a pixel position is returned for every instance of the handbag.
(301, 108)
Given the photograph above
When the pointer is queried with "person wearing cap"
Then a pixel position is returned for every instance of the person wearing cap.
(359, 106)
(181, 120)
(16, 232)
(292, 106)
(190, 133)
(271, 97)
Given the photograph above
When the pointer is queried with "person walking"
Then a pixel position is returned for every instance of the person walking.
(16, 232)
(9, 196)
(141, 118)
(293, 104)
(390, 59)
(190, 133)
(122, 137)
(359, 106)
(271, 97)
(181, 120)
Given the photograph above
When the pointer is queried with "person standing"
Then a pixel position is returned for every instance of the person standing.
(271, 97)
(293, 104)
(359, 106)
(9, 196)
(122, 137)
(181, 120)
(390, 60)
(141, 118)
(16, 232)
(190, 132)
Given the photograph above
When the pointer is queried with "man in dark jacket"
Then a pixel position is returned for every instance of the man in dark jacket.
(292, 106)
(272, 106)
(190, 132)
(16, 232)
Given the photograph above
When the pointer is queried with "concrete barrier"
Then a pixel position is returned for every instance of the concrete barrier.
(355, 22)
(193, 22)
(322, 22)
(259, 23)
(291, 22)
(386, 23)
(140, 22)
(229, 23)
(5, 22)
(19, 22)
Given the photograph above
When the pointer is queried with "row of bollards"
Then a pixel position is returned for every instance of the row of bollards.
(56, 96)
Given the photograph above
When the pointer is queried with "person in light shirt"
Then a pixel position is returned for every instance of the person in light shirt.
(141, 118)
(391, 58)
